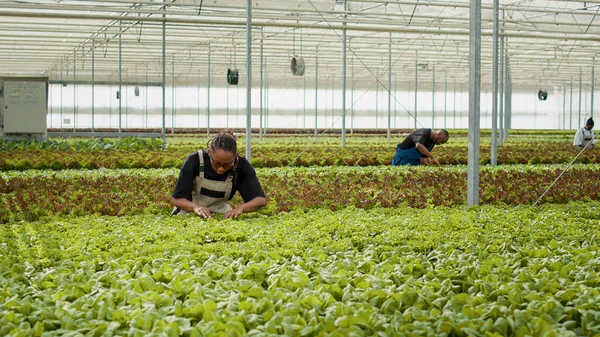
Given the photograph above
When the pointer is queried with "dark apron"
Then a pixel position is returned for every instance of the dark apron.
(215, 205)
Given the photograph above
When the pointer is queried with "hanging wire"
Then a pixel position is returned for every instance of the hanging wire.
(565, 170)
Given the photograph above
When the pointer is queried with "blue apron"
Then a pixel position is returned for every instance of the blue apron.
(409, 156)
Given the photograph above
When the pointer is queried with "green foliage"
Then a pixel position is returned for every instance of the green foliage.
(275, 152)
(80, 145)
(487, 271)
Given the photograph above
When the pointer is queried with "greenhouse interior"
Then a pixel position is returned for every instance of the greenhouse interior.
(299, 168)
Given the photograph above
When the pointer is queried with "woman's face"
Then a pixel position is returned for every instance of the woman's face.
(221, 160)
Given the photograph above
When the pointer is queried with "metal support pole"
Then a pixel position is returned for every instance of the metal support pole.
(51, 102)
(332, 102)
(389, 127)
(120, 78)
(227, 107)
(593, 85)
(208, 96)
(126, 100)
(164, 72)
(396, 102)
(571, 107)
(564, 106)
(377, 102)
(266, 114)
(249, 85)
(173, 96)
(433, 96)
(508, 115)
(61, 98)
(146, 98)
(416, 86)
(352, 100)
(454, 103)
(198, 93)
(445, 98)
(494, 149)
(503, 74)
(93, 89)
(75, 90)
(316, 87)
(304, 102)
(260, 123)
(579, 106)
(344, 80)
(474, 101)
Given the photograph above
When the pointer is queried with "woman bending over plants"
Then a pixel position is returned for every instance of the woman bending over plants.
(210, 178)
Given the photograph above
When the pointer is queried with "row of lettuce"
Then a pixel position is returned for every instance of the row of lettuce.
(32, 194)
(487, 271)
(300, 155)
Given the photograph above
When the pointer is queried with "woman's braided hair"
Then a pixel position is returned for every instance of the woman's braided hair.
(226, 141)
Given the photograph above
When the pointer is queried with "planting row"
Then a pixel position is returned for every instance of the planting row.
(287, 155)
(488, 271)
(32, 194)
(78, 145)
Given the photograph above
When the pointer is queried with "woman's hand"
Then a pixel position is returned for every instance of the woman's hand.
(234, 213)
(202, 211)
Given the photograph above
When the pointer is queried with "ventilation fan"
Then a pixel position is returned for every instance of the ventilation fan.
(297, 66)
(233, 76)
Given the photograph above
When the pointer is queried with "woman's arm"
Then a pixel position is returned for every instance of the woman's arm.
(247, 207)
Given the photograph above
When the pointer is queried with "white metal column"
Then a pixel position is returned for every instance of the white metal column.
(316, 88)
(445, 98)
(249, 83)
(389, 127)
(564, 106)
(474, 101)
(93, 80)
(571, 107)
(433, 96)
(208, 96)
(579, 105)
(593, 85)
(502, 79)
(352, 99)
(494, 149)
(260, 123)
(164, 72)
(416, 86)
(120, 74)
(344, 80)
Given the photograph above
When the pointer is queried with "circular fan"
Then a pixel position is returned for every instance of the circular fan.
(233, 76)
(297, 66)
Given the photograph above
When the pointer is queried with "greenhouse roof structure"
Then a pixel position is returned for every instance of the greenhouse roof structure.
(546, 43)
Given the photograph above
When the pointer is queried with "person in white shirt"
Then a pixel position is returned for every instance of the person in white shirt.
(585, 135)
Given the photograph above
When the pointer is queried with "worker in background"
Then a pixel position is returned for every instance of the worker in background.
(210, 178)
(585, 135)
(416, 148)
